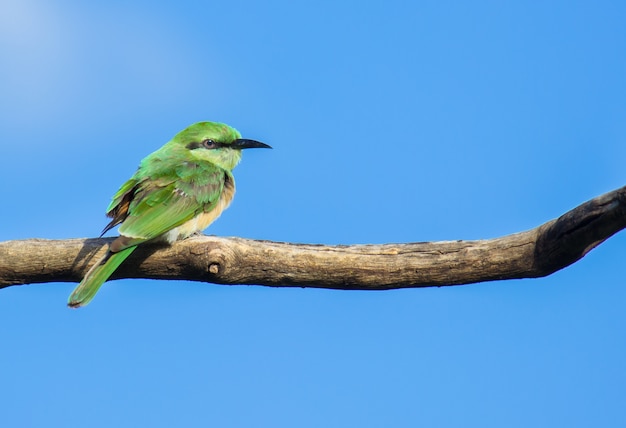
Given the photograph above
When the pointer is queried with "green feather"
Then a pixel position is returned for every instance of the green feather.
(182, 180)
(96, 276)
(156, 210)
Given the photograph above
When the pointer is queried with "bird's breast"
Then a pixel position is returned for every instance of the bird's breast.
(204, 219)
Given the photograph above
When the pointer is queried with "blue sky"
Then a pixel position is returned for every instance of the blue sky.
(391, 122)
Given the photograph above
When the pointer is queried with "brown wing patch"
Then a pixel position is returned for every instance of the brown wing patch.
(120, 211)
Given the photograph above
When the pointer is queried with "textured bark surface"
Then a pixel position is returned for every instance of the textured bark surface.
(534, 253)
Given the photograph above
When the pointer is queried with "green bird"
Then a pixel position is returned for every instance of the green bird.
(177, 191)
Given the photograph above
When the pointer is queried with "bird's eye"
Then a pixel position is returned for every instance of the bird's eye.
(209, 144)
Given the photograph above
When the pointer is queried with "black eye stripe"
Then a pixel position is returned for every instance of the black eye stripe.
(194, 145)
(207, 144)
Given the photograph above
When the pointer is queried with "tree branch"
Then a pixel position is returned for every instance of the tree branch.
(534, 253)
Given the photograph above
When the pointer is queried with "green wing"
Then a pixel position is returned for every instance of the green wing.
(149, 207)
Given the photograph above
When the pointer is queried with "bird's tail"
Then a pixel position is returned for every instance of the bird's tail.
(97, 275)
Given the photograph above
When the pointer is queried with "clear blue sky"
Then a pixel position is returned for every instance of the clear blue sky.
(391, 121)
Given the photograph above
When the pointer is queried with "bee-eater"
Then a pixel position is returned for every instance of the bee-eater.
(177, 191)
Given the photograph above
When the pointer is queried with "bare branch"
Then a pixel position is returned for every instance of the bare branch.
(534, 253)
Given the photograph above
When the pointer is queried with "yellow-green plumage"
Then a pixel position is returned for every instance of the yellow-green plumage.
(177, 191)
(96, 276)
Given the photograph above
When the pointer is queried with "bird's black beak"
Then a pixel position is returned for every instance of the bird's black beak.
(243, 143)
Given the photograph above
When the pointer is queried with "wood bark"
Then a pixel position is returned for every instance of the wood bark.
(533, 253)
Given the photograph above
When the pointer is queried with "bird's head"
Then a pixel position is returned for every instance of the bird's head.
(214, 142)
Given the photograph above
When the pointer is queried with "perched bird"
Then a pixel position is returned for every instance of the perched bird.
(177, 191)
